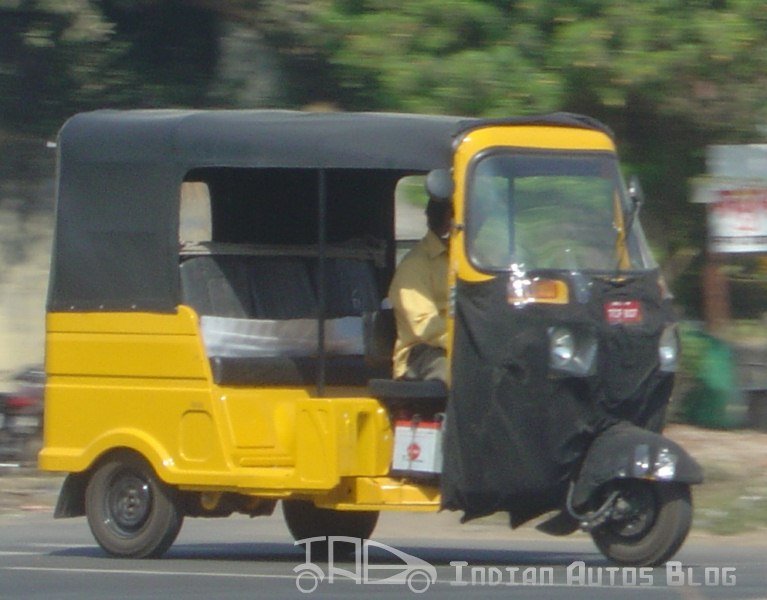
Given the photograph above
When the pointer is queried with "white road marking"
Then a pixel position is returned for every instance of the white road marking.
(68, 546)
(341, 580)
(153, 573)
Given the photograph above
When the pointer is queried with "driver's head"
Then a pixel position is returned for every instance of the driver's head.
(439, 215)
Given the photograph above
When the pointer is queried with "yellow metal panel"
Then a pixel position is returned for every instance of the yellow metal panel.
(261, 418)
(124, 355)
(86, 416)
(125, 345)
(183, 322)
(197, 436)
(127, 380)
(374, 443)
(316, 444)
(381, 493)
(534, 136)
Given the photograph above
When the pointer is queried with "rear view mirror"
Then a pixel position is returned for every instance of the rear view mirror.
(636, 194)
(439, 184)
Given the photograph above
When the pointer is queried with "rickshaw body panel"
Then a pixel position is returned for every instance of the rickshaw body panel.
(150, 380)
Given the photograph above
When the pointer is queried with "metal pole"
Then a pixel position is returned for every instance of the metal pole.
(321, 291)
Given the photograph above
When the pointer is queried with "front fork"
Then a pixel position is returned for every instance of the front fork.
(590, 520)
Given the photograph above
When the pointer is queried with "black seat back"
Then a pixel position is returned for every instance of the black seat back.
(280, 288)
(216, 285)
(249, 287)
(350, 288)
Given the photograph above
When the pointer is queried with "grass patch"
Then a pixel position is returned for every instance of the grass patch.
(729, 503)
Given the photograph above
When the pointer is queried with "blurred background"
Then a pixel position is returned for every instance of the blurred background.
(672, 78)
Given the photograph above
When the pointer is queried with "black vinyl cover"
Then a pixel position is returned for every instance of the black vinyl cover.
(515, 432)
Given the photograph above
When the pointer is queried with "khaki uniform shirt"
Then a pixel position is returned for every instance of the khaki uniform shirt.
(419, 296)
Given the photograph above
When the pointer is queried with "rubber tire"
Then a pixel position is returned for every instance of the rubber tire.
(663, 539)
(305, 520)
(155, 532)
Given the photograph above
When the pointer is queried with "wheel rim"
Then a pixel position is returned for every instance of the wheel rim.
(128, 503)
(639, 513)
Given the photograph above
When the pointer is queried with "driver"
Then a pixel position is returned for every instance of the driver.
(419, 296)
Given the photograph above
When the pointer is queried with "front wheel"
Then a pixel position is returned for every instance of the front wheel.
(649, 525)
(131, 513)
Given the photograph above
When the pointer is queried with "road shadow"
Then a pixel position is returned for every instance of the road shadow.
(286, 553)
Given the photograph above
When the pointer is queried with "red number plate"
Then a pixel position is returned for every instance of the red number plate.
(627, 312)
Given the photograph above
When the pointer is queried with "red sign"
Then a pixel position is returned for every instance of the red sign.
(628, 312)
(737, 220)
(413, 451)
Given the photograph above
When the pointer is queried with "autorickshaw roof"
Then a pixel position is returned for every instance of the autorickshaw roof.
(278, 138)
(120, 172)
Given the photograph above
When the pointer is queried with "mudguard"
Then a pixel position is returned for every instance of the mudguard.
(71, 502)
(625, 451)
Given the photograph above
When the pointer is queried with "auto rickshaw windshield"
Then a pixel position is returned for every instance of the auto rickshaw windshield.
(551, 210)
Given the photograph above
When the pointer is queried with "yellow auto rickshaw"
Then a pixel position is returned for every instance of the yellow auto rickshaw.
(218, 338)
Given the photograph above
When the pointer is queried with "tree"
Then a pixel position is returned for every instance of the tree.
(58, 57)
(48, 49)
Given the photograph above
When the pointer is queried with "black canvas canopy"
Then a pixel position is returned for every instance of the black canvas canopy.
(119, 174)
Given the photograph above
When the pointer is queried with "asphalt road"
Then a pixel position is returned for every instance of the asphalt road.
(243, 558)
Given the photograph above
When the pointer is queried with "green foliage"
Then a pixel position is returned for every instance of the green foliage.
(49, 50)
(63, 56)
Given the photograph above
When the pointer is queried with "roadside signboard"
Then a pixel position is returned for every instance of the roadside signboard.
(735, 194)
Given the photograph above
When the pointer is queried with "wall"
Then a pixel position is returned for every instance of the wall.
(26, 231)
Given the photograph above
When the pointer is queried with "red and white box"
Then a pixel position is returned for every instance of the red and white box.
(418, 446)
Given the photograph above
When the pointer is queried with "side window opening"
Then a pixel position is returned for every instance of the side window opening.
(195, 222)
(410, 200)
(249, 268)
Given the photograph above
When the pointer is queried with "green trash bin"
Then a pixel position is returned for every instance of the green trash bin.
(714, 400)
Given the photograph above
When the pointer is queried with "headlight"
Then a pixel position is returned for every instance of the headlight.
(668, 349)
(641, 460)
(561, 347)
(665, 464)
(572, 352)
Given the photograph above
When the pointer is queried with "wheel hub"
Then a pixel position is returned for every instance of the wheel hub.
(634, 513)
(128, 503)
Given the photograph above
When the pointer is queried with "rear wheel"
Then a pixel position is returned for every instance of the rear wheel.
(652, 522)
(305, 520)
(130, 511)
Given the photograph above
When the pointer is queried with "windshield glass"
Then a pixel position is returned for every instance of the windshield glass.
(551, 210)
